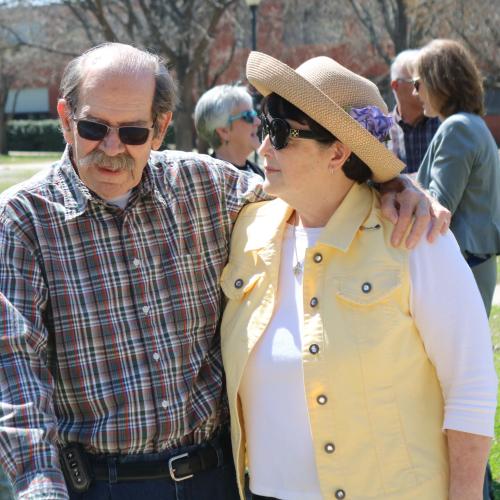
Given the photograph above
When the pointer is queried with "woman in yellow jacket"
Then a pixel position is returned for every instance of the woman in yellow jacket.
(354, 369)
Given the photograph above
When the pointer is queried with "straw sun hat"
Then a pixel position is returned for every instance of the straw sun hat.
(326, 91)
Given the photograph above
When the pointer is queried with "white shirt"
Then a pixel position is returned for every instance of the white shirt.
(279, 443)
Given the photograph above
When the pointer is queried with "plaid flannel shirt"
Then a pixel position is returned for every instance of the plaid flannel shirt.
(410, 142)
(131, 301)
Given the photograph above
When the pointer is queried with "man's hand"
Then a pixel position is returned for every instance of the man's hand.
(401, 200)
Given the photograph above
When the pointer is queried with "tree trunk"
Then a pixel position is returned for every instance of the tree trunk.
(183, 115)
(183, 126)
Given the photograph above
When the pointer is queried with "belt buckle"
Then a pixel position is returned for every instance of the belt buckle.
(172, 470)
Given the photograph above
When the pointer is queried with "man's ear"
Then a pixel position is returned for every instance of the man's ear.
(164, 122)
(339, 155)
(64, 112)
(394, 84)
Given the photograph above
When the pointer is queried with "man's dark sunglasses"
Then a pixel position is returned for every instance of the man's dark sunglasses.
(247, 116)
(95, 131)
(416, 83)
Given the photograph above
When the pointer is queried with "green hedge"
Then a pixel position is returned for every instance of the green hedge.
(34, 135)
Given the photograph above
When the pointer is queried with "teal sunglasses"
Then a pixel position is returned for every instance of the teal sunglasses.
(247, 116)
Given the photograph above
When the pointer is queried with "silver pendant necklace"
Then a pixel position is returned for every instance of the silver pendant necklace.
(299, 265)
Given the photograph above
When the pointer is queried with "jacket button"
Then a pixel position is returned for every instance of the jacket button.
(317, 258)
(322, 399)
(366, 287)
(329, 447)
(340, 494)
(238, 283)
(314, 302)
(314, 348)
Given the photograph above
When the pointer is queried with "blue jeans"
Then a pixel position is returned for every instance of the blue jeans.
(218, 483)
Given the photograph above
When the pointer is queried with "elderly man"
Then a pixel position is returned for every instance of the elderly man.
(110, 261)
(412, 131)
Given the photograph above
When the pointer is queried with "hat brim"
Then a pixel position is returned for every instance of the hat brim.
(269, 75)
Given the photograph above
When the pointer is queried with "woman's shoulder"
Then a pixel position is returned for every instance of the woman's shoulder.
(260, 209)
(463, 121)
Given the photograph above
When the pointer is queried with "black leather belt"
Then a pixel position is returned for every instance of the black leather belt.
(177, 468)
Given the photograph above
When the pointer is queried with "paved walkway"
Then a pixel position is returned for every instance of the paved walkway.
(17, 167)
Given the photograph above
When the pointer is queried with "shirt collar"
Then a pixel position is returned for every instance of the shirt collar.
(77, 195)
(399, 120)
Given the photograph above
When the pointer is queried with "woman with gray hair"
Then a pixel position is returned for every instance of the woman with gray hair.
(225, 118)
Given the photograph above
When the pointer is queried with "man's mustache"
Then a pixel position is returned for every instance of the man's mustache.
(116, 163)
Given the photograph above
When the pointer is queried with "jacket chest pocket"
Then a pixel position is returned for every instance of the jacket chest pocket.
(239, 285)
(369, 290)
(238, 281)
(368, 303)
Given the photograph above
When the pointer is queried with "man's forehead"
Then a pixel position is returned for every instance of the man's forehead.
(106, 73)
(116, 95)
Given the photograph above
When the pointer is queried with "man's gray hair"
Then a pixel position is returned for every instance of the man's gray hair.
(402, 65)
(124, 59)
(214, 107)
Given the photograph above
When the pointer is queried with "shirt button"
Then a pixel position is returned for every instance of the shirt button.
(314, 348)
(137, 262)
(156, 356)
(322, 399)
(329, 447)
(314, 302)
(164, 404)
(238, 283)
(340, 494)
(317, 258)
(146, 309)
(366, 287)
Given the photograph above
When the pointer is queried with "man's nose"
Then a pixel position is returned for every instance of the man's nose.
(111, 144)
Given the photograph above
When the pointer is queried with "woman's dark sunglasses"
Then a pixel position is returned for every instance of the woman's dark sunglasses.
(94, 131)
(416, 83)
(279, 132)
(247, 116)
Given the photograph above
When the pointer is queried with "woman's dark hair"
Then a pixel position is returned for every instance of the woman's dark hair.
(451, 77)
(278, 107)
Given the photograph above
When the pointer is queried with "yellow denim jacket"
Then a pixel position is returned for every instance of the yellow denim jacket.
(374, 401)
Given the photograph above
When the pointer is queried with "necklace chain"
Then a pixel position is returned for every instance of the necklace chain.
(299, 265)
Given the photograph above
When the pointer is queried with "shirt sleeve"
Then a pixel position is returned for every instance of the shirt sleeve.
(450, 316)
(27, 421)
(454, 151)
(241, 187)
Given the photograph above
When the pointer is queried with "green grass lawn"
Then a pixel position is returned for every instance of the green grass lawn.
(10, 177)
(15, 168)
(495, 451)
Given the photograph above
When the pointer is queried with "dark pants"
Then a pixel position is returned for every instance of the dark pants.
(217, 483)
